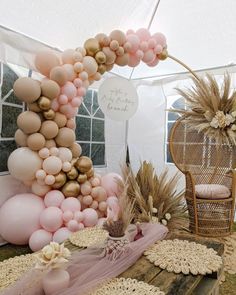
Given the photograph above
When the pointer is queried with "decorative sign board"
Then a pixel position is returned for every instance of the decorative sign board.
(118, 98)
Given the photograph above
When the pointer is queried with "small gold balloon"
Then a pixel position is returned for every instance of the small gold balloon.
(100, 57)
(102, 69)
(49, 115)
(90, 173)
(34, 107)
(163, 55)
(44, 103)
(60, 180)
(82, 178)
(84, 164)
(72, 174)
(91, 46)
(71, 189)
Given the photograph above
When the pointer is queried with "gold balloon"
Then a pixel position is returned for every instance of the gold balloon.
(163, 55)
(84, 164)
(44, 103)
(82, 178)
(60, 180)
(91, 46)
(100, 57)
(90, 173)
(49, 115)
(102, 69)
(71, 189)
(73, 173)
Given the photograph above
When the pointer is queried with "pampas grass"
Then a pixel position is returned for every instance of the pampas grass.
(154, 196)
(209, 105)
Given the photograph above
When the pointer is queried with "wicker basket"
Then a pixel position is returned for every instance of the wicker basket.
(203, 161)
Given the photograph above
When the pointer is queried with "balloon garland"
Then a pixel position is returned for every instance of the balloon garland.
(48, 158)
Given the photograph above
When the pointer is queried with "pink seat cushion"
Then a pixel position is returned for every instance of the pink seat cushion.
(212, 191)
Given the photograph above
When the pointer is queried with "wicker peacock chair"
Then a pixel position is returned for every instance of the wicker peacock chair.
(210, 179)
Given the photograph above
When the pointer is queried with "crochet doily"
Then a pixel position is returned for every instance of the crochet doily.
(128, 286)
(13, 268)
(183, 256)
(88, 237)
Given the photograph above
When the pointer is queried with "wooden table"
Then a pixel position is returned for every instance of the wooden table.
(171, 283)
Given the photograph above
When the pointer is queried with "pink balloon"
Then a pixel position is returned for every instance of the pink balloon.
(153, 63)
(54, 151)
(69, 90)
(19, 218)
(143, 46)
(55, 105)
(112, 200)
(81, 226)
(52, 165)
(133, 60)
(44, 153)
(134, 41)
(94, 205)
(81, 91)
(158, 49)
(40, 174)
(39, 239)
(95, 181)
(65, 154)
(54, 198)
(67, 216)
(149, 56)
(87, 200)
(109, 183)
(70, 73)
(77, 82)
(160, 39)
(73, 225)
(152, 43)
(66, 166)
(102, 206)
(130, 32)
(63, 99)
(143, 34)
(101, 221)
(83, 76)
(70, 124)
(61, 235)
(50, 179)
(86, 188)
(90, 217)
(51, 219)
(71, 204)
(79, 216)
(139, 54)
(76, 101)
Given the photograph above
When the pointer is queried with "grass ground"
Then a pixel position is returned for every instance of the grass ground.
(7, 251)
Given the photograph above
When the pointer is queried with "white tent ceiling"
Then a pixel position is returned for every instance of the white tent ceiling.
(201, 33)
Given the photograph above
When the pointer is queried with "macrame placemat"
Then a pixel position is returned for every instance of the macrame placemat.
(128, 286)
(183, 256)
(12, 269)
(88, 237)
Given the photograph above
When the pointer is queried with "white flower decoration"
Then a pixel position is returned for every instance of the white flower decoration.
(53, 255)
(167, 216)
(164, 222)
(233, 127)
(221, 120)
(233, 114)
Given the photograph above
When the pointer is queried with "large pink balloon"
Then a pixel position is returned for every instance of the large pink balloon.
(90, 217)
(39, 239)
(109, 183)
(23, 163)
(61, 235)
(51, 219)
(70, 204)
(54, 198)
(19, 218)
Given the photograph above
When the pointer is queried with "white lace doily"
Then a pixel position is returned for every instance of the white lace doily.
(89, 237)
(122, 286)
(183, 256)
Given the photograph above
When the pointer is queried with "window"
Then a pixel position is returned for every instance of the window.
(173, 102)
(90, 129)
(10, 108)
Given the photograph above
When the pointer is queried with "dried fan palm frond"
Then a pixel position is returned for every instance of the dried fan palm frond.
(211, 109)
(155, 198)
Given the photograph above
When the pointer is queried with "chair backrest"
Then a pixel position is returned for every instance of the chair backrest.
(208, 161)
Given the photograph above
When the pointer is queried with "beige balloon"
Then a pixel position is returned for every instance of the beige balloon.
(65, 137)
(21, 138)
(60, 119)
(29, 122)
(49, 129)
(50, 89)
(76, 149)
(34, 107)
(27, 89)
(36, 141)
(45, 61)
(50, 143)
(59, 75)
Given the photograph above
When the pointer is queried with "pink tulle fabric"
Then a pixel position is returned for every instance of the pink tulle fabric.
(90, 267)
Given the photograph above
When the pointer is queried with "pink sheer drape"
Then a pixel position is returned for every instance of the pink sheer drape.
(90, 267)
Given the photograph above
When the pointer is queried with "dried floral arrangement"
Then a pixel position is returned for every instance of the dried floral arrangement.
(155, 198)
(120, 215)
(210, 108)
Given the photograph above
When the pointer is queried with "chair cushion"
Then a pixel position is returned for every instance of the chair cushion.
(212, 191)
